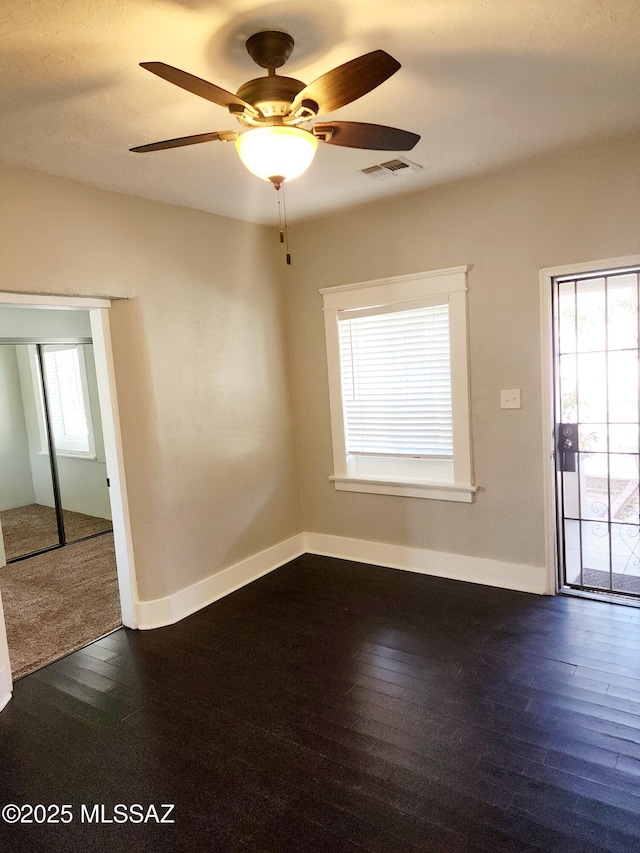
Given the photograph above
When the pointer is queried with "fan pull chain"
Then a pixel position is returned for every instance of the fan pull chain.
(280, 228)
(286, 229)
(283, 225)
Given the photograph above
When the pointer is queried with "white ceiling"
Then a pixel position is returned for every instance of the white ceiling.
(485, 82)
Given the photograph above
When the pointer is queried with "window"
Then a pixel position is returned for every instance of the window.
(68, 397)
(398, 384)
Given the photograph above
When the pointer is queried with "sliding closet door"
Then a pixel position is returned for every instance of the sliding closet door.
(27, 501)
(74, 416)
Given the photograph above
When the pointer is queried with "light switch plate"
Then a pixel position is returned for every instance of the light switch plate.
(510, 399)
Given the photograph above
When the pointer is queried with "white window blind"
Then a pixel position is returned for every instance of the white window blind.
(66, 399)
(396, 381)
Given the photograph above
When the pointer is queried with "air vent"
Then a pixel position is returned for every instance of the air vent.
(391, 168)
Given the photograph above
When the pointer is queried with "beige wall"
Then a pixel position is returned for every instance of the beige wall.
(200, 364)
(572, 207)
(201, 358)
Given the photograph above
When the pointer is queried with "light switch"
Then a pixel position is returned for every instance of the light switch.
(510, 399)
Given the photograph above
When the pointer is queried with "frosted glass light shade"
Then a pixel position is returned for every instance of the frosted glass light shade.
(277, 151)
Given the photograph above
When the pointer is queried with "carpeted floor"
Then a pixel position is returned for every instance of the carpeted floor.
(27, 529)
(57, 602)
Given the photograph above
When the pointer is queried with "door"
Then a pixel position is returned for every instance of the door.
(53, 489)
(73, 420)
(597, 423)
(27, 494)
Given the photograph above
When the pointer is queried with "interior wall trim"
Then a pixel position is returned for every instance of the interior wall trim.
(6, 683)
(460, 567)
(12, 297)
(5, 686)
(44, 339)
(172, 608)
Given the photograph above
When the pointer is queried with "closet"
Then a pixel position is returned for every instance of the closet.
(53, 481)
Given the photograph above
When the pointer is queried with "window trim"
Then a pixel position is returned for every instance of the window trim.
(451, 285)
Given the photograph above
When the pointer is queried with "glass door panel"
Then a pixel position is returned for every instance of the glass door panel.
(27, 502)
(597, 432)
(77, 434)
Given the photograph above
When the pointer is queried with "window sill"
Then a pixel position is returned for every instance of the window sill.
(70, 454)
(406, 488)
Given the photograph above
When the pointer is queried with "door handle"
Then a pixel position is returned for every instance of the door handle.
(567, 446)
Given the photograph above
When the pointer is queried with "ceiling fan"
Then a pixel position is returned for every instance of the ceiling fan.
(275, 145)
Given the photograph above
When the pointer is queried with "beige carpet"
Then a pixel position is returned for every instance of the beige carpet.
(31, 528)
(57, 602)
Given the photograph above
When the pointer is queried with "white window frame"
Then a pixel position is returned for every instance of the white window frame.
(61, 449)
(386, 475)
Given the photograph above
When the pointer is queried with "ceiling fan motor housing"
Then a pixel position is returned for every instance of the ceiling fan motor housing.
(270, 48)
(271, 95)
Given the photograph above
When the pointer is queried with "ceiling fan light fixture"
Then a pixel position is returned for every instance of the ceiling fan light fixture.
(277, 153)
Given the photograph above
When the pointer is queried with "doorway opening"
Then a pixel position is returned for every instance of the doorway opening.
(596, 430)
(74, 429)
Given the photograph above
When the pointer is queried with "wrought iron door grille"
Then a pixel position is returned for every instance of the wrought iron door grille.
(596, 334)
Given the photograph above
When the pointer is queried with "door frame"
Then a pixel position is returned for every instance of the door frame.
(98, 309)
(548, 394)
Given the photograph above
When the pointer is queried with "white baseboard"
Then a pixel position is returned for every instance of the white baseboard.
(6, 686)
(166, 611)
(517, 576)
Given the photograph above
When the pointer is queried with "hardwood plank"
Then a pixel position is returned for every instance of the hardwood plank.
(343, 707)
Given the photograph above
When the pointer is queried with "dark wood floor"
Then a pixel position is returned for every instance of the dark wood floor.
(333, 706)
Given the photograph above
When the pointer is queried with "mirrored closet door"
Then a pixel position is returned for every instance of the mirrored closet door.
(53, 478)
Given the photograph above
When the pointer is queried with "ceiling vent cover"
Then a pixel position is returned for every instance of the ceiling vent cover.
(391, 168)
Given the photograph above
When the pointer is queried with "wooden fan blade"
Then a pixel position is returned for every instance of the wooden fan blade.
(222, 135)
(356, 134)
(196, 85)
(348, 82)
